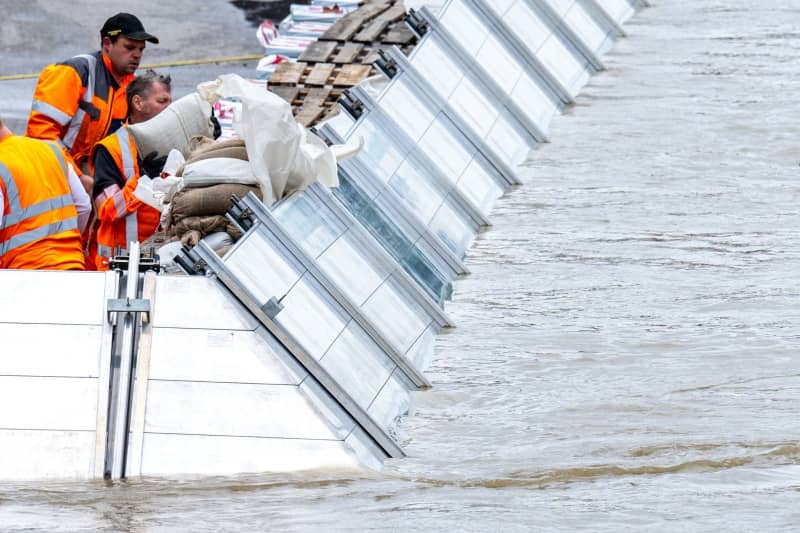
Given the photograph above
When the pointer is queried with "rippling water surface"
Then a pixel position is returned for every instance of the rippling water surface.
(626, 356)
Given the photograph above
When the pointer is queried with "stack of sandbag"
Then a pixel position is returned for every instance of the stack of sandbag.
(213, 174)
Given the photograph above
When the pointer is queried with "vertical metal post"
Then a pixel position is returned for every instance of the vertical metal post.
(127, 341)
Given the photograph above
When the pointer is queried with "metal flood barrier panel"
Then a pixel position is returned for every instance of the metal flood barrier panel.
(530, 92)
(405, 170)
(442, 85)
(54, 373)
(216, 393)
(399, 231)
(373, 281)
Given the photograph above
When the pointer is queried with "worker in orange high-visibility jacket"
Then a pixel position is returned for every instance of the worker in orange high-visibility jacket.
(121, 214)
(80, 101)
(44, 206)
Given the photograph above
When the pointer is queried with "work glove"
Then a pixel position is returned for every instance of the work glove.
(152, 164)
(144, 192)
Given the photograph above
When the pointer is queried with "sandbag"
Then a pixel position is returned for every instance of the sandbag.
(202, 148)
(233, 148)
(191, 238)
(174, 127)
(213, 171)
(205, 225)
(215, 200)
(218, 240)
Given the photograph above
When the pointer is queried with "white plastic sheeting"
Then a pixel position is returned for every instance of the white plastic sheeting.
(283, 156)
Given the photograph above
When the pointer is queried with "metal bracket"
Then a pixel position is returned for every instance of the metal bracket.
(385, 64)
(272, 308)
(351, 104)
(128, 305)
(121, 261)
(417, 24)
(190, 262)
(242, 214)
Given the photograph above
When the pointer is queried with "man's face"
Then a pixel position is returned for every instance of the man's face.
(125, 54)
(150, 104)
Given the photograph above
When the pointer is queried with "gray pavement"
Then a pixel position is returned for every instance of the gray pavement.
(38, 32)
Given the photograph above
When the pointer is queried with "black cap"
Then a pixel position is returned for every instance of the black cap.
(127, 25)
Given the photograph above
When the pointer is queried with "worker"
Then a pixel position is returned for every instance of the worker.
(80, 101)
(43, 206)
(122, 216)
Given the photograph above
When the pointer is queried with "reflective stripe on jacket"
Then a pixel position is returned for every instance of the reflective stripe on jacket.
(122, 217)
(40, 222)
(77, 103)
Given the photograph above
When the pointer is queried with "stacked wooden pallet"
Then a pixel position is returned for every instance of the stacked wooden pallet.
(341, 58)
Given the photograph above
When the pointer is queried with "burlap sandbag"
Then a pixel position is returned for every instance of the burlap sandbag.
(207, 149)
(205, 225)
(215, 200)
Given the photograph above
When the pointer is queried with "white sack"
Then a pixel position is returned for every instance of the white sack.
(174, 127)
(218, 170)
(283, 156)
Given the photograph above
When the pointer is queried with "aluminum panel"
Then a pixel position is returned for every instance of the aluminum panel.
(421, 353)
(593, 35)
(362, 377)
(257, 261)
(393, 402)
(466, 91)
(36, 454)
(431, 274)
(338, 420)
(312, 228)
(539, 107)
(417, 193)
(232, 409)
(526, 24)
(439, 164)
(365, 449)
(218, 355)
(222, 455)
(68, 404)
(468, 29)
(79, 297)
(454, 231)
(340, 123)
(310, 317)
(571, 72)
(507, 142)
(380, 153)
(351, 270)
(400, 319)
(476, 109)
(406, 109)
(51, 350)
(437, 66)
(196, 302)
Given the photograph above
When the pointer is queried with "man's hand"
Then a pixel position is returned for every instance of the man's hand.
(88, 183)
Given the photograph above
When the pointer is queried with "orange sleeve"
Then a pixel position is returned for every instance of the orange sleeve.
(118, 203)
(55, 102)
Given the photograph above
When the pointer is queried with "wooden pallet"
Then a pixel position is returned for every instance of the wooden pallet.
(341, 58)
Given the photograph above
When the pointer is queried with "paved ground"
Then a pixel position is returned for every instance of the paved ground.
(37, 32)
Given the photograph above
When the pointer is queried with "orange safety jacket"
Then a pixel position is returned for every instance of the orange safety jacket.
(77, 103)
(122, 217)
(40, 223)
